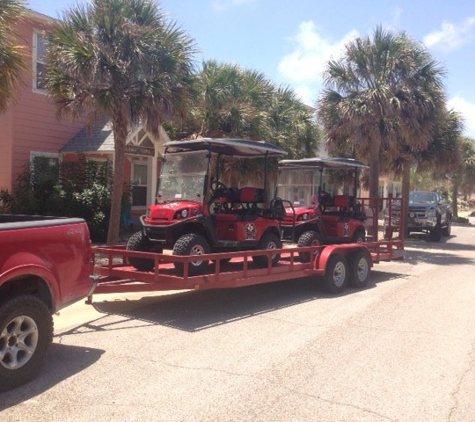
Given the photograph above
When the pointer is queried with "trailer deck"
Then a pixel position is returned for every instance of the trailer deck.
(114, 274)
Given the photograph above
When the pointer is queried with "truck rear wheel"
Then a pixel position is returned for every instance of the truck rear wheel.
(139, 242)
(191, 244)
(309, 238)
(268, 241)
(26, 331)
(360, 267)
(336, 274)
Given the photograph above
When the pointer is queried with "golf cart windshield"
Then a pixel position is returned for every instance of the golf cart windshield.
(299, 186)
(183, 176)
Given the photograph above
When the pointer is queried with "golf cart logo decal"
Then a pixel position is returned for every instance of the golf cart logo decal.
(249, 231)
(346, 230)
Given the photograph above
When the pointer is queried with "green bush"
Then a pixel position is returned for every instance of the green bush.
(73, 189)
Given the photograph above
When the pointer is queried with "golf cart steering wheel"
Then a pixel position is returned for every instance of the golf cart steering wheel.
(216, 185)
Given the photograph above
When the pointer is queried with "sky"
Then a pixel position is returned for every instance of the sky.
(290, 41)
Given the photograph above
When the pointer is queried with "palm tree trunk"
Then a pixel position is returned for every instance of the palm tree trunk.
(406, 185)
(119, 128)
(455, 194)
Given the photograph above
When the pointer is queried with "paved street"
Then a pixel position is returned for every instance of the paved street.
(403, 349)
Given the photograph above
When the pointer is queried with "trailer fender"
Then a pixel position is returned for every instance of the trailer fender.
(347, 250)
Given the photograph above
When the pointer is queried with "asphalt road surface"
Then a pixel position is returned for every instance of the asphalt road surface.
(402, 349)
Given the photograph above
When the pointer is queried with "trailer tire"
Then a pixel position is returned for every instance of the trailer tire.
(268, 241)
(336, 274)
(191, 244)
(309, 238)
(26, 331)
(360, 267)
(139, 242)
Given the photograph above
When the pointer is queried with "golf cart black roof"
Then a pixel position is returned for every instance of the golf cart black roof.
(227, 146)
(318, 162)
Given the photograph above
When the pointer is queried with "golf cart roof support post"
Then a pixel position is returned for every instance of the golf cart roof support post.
(265, 172)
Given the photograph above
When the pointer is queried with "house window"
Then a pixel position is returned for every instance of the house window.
(44, 165)
(39, 45)
(139, 184)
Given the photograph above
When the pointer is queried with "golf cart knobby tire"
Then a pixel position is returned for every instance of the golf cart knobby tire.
(336, 274)
(360, 268)
(139, 242)
(26, 331)
(191, 244)
(358, 236)
(309, 238)
(268, 241)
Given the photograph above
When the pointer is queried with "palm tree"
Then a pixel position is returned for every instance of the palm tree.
(120, 59)
(466, 173)
(11, 60)
(381, 98)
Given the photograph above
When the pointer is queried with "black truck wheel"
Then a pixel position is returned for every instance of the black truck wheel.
(268, 241)
(359, 267)
(192, 244)
(446, 230)
(26, 331)
(309, 238)
(336, 274)
(139, 242)
(435, 234)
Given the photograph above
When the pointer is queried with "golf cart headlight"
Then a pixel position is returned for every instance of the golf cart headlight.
(184, 213)
(304, 216)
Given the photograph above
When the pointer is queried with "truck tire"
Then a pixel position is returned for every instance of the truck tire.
(446, 230)
(139, 242)
(309, 238)
(359, 267)
(26, 331)
(435, 234)
(191, 244)
(268, 241)
(336, 274)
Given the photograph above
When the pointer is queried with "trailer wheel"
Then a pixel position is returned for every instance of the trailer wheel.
(139, 242)
(309, 238)
(336, 274)
(360, 267)
(26, 331)
(268, 241)
(191, 244)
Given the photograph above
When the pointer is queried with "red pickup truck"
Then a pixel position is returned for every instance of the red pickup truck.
(45, 265)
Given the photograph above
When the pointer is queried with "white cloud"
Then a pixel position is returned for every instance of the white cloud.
(221, 5)
(304, 66)
(467, 110)
(452, 36)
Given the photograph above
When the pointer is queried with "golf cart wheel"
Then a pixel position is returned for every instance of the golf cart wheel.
(26, 331)
(192, 244)
(139, 242)
(336, 274)
(358, 236)
(360, 267)
(309, 238)
(268, 241)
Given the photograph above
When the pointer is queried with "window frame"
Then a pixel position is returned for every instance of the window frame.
(35, 60)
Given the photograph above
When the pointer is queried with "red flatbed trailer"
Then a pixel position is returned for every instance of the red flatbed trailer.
(115, 275)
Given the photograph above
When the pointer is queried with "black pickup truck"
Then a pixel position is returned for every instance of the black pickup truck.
(428, 212)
